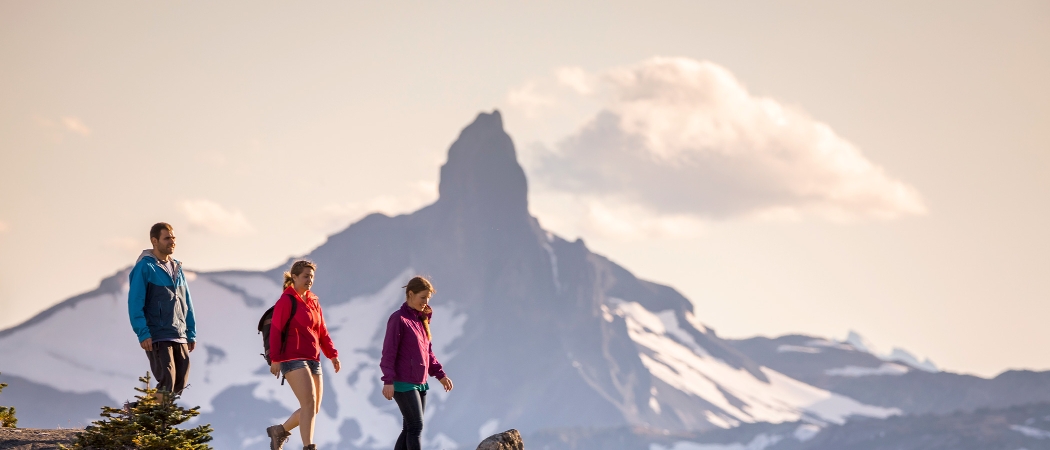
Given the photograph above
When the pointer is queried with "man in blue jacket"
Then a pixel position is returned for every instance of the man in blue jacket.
(161, 311)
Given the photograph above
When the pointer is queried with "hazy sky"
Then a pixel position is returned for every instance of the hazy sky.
(807, 167)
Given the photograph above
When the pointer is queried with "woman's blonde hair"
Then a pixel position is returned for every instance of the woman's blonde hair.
(297, 268)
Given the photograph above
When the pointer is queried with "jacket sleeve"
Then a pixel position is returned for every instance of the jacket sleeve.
(390, 344)
(191, 321)
(277, 320)
(435, 369)
(325, 339)
(137, 301)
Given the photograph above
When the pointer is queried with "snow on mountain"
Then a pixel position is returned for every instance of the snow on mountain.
(76, 349)
(856, 371)
(852, 370)
(896, 354)
(1018, 427)
(673, 357)
(538, 333)
(760, 442)
(855, 342)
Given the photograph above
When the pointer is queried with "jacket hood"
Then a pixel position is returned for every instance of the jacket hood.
(148, 253)
(309, 294)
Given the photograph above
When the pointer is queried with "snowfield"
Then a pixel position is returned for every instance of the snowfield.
(674, 357)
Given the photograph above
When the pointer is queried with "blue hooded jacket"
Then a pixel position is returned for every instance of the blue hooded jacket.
(158, 305)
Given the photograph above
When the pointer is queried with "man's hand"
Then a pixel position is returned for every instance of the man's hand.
(388, 391)
(147, 344)
(335, 363)
(192, 345)
(446, 383)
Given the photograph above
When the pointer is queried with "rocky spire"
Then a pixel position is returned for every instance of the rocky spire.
(482, 173)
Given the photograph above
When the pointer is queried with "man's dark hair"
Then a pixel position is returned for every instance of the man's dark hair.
(154, 231)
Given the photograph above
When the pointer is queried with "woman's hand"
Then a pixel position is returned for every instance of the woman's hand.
(335, 363)
(275, 368)
(446, 383)
(388, 391)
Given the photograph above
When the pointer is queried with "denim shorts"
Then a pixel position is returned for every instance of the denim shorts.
(288, 366)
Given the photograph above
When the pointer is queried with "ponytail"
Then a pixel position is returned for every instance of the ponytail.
(416, 285)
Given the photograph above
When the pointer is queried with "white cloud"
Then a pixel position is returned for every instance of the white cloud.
(68, 123)
(57, 129)
(583, 215)
(529, 100)
(212, 217)
(680, 138)
(336, 216)
(576, 78)
(76, 125)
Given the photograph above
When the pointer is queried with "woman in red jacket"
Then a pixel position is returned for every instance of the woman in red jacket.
(303, 341)
(408, 360)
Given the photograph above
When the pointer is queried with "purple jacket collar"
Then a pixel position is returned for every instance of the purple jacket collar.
(408, 311)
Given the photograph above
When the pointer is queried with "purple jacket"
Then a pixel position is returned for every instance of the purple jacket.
(408, 355)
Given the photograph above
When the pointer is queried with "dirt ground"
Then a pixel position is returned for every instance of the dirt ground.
(35, 438)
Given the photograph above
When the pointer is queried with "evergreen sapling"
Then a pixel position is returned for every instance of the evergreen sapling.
(145, 424)
(7, 413)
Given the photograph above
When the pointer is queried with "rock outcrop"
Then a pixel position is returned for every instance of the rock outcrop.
(507, 440)
(36, 439)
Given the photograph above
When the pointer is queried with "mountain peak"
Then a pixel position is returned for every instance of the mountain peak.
(492, 120)
(482, 171)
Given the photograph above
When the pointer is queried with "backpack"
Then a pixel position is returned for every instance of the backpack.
(264, 328)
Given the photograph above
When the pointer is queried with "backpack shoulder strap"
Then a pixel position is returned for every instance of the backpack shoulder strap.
(288, 323)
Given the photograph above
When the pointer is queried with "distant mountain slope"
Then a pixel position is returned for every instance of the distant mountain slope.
(1017, 427)
(538, 332)
(844, 369)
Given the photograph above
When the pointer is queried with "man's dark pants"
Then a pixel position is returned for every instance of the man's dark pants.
(170, 364)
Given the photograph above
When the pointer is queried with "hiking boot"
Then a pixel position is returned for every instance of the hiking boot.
(278, 436)
(310, 447)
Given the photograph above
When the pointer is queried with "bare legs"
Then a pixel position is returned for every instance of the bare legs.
(308, 388)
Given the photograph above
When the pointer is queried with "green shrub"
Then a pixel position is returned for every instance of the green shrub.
(7, 413)
(146, 424)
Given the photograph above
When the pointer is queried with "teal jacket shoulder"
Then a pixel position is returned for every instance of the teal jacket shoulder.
(159, 305)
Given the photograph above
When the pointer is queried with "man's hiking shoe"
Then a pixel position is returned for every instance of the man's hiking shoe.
(310, 447)
(277, 436)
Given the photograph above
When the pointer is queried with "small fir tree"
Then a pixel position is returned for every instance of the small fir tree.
(146, 424)
(7, 413)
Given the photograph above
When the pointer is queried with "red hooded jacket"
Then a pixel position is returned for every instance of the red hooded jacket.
(307, 334)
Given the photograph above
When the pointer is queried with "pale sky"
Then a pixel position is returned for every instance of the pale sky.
(811, 167)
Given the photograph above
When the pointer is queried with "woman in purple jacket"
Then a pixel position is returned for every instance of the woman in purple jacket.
(408, 358)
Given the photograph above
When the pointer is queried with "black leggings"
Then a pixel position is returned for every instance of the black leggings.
(412, 404)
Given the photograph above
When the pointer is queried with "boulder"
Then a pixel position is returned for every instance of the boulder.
(507, 440)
